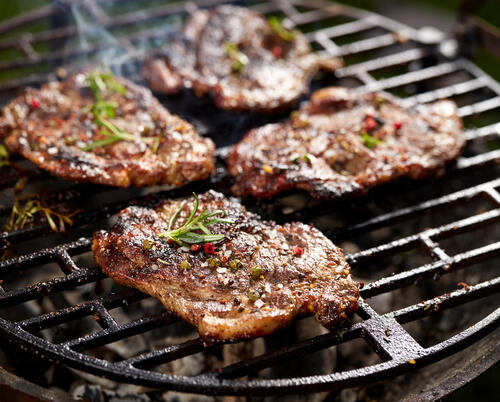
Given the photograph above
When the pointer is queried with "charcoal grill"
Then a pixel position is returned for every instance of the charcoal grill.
(381, 54)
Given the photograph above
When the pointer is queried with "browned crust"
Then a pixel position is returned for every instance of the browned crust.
(196, 59)
(317, 282)
(41, 134)
(329, 128)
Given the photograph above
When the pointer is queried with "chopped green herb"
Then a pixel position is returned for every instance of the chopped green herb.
(147, 244)
(4, 156)
(213, 262)
(99, 83)
(238, 58)
(369, 141)
(253, 295)
(306, 158)
(280, 30)
(185, 265)
(186, 233)
(235, 264)
(256, 271)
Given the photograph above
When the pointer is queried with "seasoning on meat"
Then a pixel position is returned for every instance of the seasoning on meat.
(242, 60)
(344, 142)
(97, 128)
(249, 284)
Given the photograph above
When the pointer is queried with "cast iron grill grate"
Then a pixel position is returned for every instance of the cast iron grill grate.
(373, 61)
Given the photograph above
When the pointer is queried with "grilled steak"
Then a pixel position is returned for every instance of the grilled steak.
(243, 61)
(252, 283)
(55, 128)
(345, 142)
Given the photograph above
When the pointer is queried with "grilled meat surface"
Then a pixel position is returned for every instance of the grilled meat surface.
(235, 55)
(254, 283)
(345, 142)
(53, 125)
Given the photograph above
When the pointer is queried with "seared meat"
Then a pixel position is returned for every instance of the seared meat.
(256, 280)
(345, 142)
(54, 126)
(235, 55)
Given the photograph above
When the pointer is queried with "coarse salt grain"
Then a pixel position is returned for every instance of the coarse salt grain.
(228, 253)
(185, 249)
(221, 270)
(259, 303)
(280, 285)
(267, 287)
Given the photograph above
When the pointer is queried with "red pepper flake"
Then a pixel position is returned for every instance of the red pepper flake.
(463, 285)
(170, 241)
(1, 281)
(370, 124)
(209, 248)
(195, 247)
(34, 103)
(397, 125)
(202, 276)
(223, 301)
(412, 361)
(277, 52)
(297, 251)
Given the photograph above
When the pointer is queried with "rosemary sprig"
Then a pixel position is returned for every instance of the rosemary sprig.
(98, 83)
(24, 212)
(186, 233)
(239, 59)
(369, 141)
(4, 156)
(112, 134)
(280, 30)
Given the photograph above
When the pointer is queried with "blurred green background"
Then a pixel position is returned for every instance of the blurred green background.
(441, 14)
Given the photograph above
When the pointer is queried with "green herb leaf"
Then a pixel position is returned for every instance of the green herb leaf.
(100, 83)
(280, 30)
(4, 156)
(186, 233)
(369, 141)
(239, 59)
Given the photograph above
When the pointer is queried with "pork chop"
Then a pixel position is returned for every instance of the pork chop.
(251, 283)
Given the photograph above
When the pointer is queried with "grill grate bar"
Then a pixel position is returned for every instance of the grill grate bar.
(32, 292)
(367, 44)
(486, 131)
(446, 92)
(415, 210)
(395, 59)
(414, 76)
(282, 355)
(405, 278)
(170, 353)
(119, 332)
(48, 320)
(479, 107)
(410, 242)
(443, 302)
(343, 29)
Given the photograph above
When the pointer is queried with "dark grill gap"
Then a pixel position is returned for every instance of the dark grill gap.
(399, 351)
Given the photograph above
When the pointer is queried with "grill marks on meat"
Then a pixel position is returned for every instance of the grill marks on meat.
(344, 142)
(216, 299)
(50, 127)
(277, 73)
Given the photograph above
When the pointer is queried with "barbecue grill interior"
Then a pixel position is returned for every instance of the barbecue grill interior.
(427, 252)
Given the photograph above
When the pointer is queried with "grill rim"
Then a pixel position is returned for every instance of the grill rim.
(211, 383)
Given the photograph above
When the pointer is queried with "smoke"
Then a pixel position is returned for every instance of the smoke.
(123, 49)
